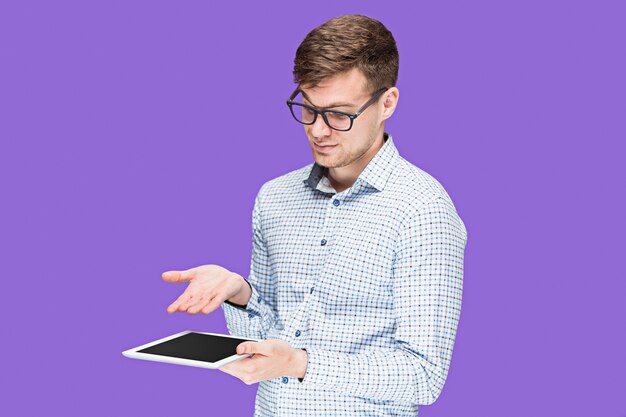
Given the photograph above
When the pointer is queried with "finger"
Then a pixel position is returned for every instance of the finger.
(212, 305)
(227, 369)
(177, 276)
(196, 304)
(206, 305)
(253, 347)
(175, 306)
(238, 368)
(186, 303)
(234, 367)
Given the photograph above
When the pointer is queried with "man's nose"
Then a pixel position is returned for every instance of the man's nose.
(320, 128)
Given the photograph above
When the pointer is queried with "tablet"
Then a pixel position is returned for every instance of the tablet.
(204, 350)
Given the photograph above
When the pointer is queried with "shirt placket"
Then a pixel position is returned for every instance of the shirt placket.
(297, 328)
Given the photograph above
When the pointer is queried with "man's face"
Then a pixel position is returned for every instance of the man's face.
(345, 92)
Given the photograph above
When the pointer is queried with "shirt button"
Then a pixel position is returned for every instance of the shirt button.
(250, 315)
(285, 380)
(336, 203)
(298, 333)
(311, 290)
(323, 242)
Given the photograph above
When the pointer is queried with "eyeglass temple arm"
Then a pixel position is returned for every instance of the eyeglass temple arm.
(294, 94)
(370, 101)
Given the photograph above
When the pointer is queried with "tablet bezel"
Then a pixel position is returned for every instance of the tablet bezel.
(134, 354)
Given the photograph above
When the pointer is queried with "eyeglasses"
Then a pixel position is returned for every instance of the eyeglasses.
(335, 119)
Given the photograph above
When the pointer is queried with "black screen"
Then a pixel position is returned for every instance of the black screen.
(196, 346)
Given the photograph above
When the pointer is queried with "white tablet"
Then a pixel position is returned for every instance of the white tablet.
(205, 350)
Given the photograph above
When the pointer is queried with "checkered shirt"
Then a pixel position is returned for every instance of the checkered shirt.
(368, 281)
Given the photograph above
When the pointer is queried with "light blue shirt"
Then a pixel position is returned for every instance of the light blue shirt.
(368, 281)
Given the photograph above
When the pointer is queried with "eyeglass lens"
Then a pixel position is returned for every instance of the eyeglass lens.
(305, 115)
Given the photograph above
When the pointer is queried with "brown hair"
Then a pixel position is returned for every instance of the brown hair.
(344, 43)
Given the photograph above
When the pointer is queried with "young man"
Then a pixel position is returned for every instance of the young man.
(357, 263)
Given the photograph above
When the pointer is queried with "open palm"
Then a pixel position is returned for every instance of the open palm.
(209, 286)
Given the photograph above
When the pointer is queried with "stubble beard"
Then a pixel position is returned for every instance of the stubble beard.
(332, 161)
(339, 158)
(342, 159)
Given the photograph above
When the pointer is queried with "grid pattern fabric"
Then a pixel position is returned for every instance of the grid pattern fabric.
(368, 281)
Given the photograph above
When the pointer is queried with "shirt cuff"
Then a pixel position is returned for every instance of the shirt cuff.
(253, 308)
(323, 369)
(307, 366)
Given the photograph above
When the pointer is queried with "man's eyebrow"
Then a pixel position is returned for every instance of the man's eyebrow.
(333, 105)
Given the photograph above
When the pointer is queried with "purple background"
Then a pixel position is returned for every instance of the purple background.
(135, 135)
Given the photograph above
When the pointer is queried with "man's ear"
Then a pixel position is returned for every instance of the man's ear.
(390, 101)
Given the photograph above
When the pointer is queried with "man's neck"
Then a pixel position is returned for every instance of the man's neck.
(342, 178)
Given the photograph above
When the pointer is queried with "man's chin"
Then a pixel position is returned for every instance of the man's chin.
(326, 163)
(322, 161)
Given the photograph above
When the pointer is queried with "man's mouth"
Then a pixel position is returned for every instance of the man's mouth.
(324, 147)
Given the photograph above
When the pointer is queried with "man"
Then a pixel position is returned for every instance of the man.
(357, 265)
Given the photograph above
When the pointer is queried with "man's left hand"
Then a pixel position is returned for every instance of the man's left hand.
(270, 359)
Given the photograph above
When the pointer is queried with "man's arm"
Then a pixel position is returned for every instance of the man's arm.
(428, 277)
(253, 313)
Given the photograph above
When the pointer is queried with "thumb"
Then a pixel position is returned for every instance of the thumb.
(177, 276)
(247, 347)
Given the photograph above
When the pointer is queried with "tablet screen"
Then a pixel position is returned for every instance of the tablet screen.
(197, 347)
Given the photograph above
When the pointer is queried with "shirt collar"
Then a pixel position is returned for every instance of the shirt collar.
(376, 172)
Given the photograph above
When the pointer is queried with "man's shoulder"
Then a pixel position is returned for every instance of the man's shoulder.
(414, 185)
(291, 182)
(414, 190)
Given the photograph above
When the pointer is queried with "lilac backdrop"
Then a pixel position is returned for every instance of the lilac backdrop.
(135, 135)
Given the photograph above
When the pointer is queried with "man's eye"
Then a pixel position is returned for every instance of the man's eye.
(337, 116)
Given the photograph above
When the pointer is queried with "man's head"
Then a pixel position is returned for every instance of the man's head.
(340, 65)
(347, 42)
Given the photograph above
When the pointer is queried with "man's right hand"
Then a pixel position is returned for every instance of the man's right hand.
(209, 286)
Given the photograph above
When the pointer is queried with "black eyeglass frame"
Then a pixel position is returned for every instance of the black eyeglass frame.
(315, 111)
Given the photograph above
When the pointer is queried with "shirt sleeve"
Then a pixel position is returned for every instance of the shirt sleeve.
(428, 280)
(259, 315)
